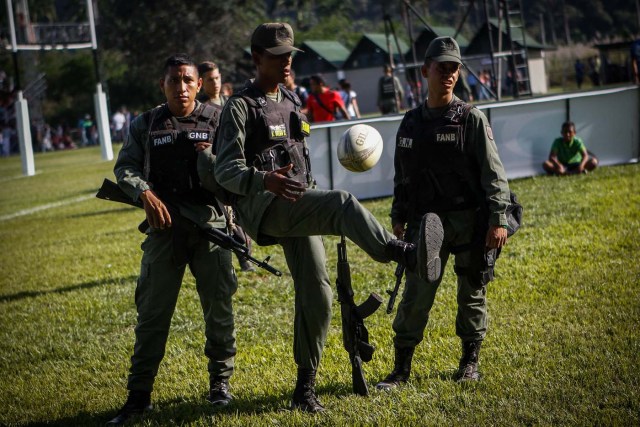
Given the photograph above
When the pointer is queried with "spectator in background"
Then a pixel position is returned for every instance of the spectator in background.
(594, 74)
(349, 98)
(87, 131)
(635, 61)
(7, 134)
(301, 91)
(118, 121)
(410, 95)
(323, 103)
(579, 67)
(485, 80)
(462, 89)
(509, 84)
(568, 154)
(46, 141)
(390, 92)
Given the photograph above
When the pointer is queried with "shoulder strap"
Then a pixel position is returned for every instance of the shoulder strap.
(251, 96)
(149, 117)
(317, 98)
(291, 95)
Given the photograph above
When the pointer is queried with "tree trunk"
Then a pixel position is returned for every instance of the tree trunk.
(565, 21)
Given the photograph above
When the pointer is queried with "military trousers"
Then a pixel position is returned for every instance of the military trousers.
(157, 294)
(418, 296)
(297, 226)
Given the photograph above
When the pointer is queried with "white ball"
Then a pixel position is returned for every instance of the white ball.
(360, 148)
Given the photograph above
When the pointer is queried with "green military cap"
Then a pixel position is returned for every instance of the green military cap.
(276, 38)
(443, 49)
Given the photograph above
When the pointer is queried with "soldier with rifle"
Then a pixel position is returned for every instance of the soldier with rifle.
(263, 162)
(157, 166)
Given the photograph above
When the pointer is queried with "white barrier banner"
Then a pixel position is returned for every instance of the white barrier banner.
(608, 121)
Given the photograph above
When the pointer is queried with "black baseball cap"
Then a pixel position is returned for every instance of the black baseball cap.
(443, 49)
(276, 38)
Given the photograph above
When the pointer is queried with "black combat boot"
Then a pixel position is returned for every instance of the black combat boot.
(402, 252)
(401, 369)
(423, 258)
(468, 368)
(219, 391)
(304, 396)
(137, 403)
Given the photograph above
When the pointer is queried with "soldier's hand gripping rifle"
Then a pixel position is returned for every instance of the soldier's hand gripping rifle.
(394, 293)
(112, 192)
(355, 336)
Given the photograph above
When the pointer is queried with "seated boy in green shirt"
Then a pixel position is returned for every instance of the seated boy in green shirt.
(568, 154)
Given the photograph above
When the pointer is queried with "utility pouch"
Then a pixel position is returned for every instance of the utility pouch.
(297, 155)
(272, 159)
(488, 265)
(481, 269)
(300, 127)
(514, 215)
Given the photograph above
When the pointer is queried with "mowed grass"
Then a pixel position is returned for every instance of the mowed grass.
(562, 348)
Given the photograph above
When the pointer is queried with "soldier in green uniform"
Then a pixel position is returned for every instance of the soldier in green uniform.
(447, 162)
(157, 164)
(263, 161)
(211, 83)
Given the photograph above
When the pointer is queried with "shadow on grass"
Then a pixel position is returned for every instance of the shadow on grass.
(103, 212)
(178, 411)
(87, 285)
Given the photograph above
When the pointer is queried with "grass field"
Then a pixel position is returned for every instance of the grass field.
(562, 348)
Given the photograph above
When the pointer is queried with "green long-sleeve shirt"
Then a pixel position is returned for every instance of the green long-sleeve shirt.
(129, 171)
(231, 170)
(492, 177)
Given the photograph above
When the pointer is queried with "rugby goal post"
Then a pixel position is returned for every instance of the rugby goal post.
(55, 37)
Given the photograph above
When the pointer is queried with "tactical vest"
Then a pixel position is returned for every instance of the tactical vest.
(278, 138)
(171, 156)
(387, 88)
(436, 163)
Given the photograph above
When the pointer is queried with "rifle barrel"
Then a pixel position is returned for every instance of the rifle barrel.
(112, 192)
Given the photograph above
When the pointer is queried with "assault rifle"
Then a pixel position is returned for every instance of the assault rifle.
(355, 336)
(112, 192)
(394, 293)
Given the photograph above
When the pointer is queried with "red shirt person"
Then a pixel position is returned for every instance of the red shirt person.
(323, 102)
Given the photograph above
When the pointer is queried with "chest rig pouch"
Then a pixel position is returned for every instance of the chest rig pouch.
(279, 138)
(172, 159)
(435, 162)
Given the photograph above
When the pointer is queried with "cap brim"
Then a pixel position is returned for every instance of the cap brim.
(279, 50)
(446, 58)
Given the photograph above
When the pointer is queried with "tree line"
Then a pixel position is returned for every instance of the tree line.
(134, 37)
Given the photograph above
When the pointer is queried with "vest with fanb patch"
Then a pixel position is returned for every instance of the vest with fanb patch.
(279, 136)
(171, 156)
(435, 162)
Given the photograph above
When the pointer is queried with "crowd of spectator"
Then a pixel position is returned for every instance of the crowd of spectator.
(50, 137)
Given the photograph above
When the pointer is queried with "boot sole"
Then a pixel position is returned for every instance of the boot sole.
(432, 235)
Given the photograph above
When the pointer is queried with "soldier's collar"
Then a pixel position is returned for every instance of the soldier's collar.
(434, 113)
